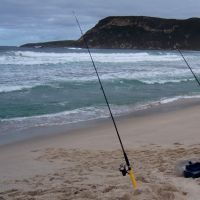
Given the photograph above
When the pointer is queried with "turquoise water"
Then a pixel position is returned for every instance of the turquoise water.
(41, 87)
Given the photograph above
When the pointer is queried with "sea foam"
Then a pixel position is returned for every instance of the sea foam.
(33, 58)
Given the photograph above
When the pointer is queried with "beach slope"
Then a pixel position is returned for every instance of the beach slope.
(83, 163)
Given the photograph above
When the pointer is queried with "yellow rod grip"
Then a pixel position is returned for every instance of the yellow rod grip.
(132, 176)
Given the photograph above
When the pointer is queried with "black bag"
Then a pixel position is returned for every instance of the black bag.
(192, 170)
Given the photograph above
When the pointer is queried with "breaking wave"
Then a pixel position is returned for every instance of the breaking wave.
(33, 58)
(63, 84)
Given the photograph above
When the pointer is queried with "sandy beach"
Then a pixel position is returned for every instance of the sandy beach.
(83, 163)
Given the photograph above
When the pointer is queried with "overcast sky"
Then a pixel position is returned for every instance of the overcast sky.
(23, 21)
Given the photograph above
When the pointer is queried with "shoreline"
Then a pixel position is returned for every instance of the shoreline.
(40, 132)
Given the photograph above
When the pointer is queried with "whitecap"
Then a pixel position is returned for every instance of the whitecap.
(33, 58)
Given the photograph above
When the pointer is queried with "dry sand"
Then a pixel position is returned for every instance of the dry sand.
(83, 164)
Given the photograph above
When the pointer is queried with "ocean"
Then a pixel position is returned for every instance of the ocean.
(47, 87)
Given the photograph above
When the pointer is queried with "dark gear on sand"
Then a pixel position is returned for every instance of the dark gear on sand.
(192, 170)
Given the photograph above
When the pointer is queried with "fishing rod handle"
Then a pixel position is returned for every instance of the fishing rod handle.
(132, 177)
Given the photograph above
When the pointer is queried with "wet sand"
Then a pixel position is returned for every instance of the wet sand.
(83, 163)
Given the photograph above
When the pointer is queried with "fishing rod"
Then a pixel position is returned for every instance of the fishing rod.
(196, 78)
(124, 169)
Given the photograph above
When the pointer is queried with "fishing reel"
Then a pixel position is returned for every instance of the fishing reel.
(124, 169)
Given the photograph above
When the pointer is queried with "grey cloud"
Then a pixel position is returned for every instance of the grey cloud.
(38, 20)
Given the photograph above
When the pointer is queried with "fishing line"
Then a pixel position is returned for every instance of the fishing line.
(197, 80)
(125, 169)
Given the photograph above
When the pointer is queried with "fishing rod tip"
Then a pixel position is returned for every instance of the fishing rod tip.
(176, 46)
